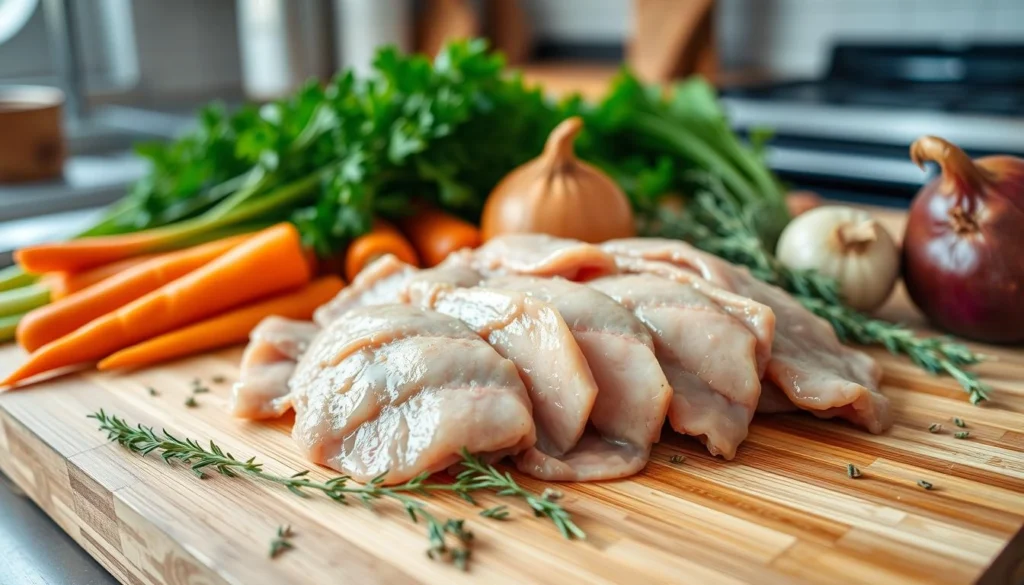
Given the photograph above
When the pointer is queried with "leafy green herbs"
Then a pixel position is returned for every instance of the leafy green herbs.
(448, 539)
(478, 476)
(282, 541)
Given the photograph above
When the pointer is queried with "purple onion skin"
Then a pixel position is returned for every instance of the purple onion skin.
(963, 249)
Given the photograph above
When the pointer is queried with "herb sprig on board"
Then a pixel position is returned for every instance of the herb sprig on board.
(715, 224)
(448, 538)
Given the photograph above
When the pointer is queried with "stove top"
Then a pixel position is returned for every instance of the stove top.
(851, 129)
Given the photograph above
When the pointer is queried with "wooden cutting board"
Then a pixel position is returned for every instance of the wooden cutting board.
(784, 511)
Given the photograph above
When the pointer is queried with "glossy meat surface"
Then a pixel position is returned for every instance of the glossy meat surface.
(809, 364)
(381, 282)
(633, 394)
(532, 334)
(708, 356)
(539, 255)
(398, 390)
(275, 346)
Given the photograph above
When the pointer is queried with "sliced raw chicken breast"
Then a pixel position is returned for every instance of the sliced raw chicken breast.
(394, 391)
(275, 346)
(424, 286)
(389, 280)
(633, 394)
(809, 364)
(532, 334)
(539, 255)
(379, 283)
(708, 356)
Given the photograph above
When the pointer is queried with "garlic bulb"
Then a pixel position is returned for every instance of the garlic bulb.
(848, 245)
(558, 194)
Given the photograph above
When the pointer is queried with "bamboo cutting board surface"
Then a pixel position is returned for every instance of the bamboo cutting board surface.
(784, 511)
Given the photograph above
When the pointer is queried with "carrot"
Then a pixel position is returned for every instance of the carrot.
(270, 262)
(85, 253)
(226, 329)
(57, 319)
(63, 284)
(383, 239)
(435, 234)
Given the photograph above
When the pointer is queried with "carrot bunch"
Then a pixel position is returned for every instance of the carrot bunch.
(174, 304)
(426, 238)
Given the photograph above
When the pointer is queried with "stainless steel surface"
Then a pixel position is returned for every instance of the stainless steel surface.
(35, 551)
(64, 42)
(877, 125)
(88, 181)
(850, 166)
(44, 228)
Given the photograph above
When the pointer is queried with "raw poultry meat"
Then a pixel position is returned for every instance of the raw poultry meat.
(633, 394)
(275, 346)
(389, 280)
(498, 350)
(539, 255)
(809, 364)
(708, 356)
(379, 283)
(527, 331)
(532, 334)
(398, 390)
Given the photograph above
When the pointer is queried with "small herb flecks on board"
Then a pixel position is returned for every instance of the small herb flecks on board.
(448, 539)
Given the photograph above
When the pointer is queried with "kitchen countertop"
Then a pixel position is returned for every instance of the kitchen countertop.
(36, 551)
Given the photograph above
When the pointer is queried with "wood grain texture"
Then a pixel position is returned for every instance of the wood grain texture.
(784, 511)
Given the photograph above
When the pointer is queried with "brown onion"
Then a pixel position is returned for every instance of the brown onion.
(963, 251)
(558, 194)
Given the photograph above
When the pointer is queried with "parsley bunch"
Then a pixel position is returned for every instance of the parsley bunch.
(330, 157)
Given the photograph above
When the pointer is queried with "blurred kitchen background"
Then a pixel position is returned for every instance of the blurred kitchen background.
(845, 84)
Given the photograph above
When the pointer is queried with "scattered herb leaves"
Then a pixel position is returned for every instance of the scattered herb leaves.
(962, 434)
(934, 428)
(282, 542)
(496, 512)
(925, 484)
(959, 422)
(676, 459)
(448, 539)
(152, 391)
(191, 402)
(218, 379)
(852, 471)
(478, 475)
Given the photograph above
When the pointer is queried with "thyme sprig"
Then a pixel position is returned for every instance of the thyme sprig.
(282, 541)
(448, 539)
(718, 225)
(479, 476)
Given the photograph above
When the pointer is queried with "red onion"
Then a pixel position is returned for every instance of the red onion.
(963, 251)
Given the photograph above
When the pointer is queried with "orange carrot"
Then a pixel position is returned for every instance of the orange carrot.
(57, 319)
(85, 253)
(62, 284)
(383, 239)
(435, 234)
(270, 262)
(226, 329)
